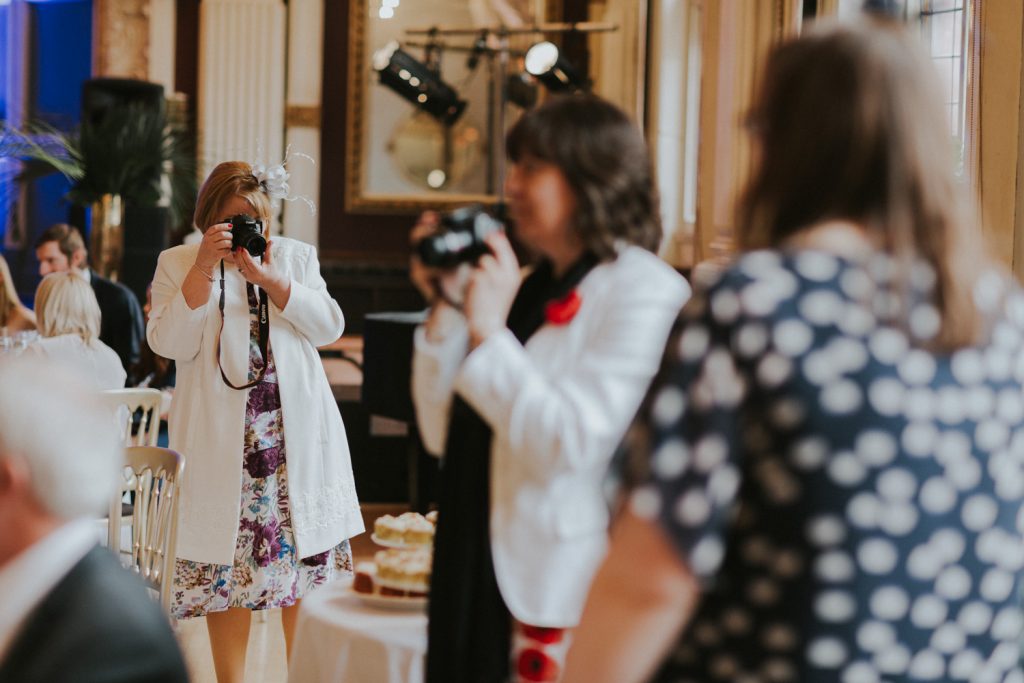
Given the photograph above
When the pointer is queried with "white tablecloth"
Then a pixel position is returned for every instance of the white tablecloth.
(338, 639)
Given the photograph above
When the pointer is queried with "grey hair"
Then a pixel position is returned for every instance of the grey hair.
(54, 424)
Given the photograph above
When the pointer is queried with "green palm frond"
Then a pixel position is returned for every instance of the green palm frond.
(125, 153)
(42, 150)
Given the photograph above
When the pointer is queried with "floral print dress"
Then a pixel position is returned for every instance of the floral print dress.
(266, 572)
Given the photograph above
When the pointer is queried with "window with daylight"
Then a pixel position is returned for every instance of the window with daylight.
(945, 31)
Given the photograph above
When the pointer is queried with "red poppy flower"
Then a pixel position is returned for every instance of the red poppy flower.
(534, 665)
(561, 311)
(543, 634)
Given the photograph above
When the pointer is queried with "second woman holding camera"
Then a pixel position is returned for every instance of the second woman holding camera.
(268, 502)
(527, 390)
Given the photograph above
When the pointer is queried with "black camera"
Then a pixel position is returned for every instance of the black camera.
(461, 239)
(247, 232)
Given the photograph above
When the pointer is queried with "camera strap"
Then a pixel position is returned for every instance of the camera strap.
(264, 325)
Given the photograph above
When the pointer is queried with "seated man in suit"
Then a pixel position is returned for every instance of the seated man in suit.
(69, 612)
(61, 248)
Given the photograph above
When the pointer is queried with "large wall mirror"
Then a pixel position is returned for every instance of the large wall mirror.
(404, 158)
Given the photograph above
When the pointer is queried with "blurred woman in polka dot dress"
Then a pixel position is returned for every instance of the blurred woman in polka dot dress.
(825, 480)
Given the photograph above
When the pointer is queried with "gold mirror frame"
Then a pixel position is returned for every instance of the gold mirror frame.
(622, 83)
(356, 198)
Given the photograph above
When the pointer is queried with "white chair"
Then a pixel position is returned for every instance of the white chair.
(125, 403)
(155, 476)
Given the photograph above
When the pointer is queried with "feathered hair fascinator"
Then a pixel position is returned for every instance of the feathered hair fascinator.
(274, 180)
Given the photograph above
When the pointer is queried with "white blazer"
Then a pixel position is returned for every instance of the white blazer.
(558, 408)
(207, 418)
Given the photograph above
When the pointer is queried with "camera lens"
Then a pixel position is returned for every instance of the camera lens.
(448, 249)
(247, 233)
(253, 243)
(462, 239)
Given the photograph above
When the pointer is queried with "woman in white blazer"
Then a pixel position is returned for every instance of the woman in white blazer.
(269, 499)
(69, 329)
(529, 388)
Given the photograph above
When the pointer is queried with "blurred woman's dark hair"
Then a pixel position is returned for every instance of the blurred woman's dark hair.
(603, 155)
(850, 126)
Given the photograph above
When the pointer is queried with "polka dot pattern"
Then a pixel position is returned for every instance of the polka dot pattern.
(849, 499)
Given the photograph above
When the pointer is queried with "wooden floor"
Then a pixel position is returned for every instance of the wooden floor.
(265, 661)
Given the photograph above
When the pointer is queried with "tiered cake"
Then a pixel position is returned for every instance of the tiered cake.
(403, 569)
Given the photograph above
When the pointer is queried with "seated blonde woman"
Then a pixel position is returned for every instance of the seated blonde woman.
(14, 317)
(69, 326)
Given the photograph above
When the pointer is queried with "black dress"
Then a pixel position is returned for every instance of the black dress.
(469, 631)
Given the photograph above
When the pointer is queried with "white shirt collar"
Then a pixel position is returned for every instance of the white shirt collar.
(82, 273)
(30, 576)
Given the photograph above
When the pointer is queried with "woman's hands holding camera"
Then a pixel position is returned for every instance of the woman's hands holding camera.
(428, 279)
(486, 290)
(492, 289)
(258, 273)
(216, 245)
(423, 277)
(264, 274)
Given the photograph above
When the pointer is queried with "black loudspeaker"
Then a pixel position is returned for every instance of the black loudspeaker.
(146, 230)
(387, 364)
(100, 95)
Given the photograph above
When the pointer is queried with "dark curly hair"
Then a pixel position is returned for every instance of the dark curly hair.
(604, 158)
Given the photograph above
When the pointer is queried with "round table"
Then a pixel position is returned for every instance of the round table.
(338, 639)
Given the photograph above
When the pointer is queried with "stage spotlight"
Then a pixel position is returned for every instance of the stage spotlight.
(546, 63)
(414, 81)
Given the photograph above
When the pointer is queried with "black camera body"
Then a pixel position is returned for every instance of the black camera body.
(461, 239)
(247, 232)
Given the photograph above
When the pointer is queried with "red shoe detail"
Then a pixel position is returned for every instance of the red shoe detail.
(537, 667)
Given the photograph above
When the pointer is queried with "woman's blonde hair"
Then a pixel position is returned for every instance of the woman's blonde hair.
(66, 304)
(230, 179)
(8, 294)
(851, 127)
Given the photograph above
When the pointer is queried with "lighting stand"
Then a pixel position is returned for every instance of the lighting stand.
(498, 60)
(496, 116)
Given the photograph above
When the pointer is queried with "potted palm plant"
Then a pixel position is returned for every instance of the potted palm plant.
(128, 156)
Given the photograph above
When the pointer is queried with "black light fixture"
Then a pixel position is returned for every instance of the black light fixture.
(546, 63)
(521, 90)
(416, 82)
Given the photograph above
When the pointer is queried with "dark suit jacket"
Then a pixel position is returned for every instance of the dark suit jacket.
(97, 625)
(121, 326)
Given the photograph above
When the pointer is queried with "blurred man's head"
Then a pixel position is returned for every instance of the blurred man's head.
(59, 453)
(60, 248)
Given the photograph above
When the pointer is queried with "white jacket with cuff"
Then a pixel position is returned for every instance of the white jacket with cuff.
(207, 418)
(558, 407)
